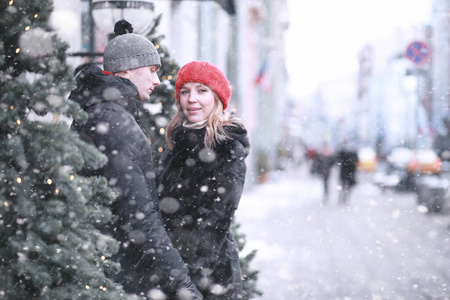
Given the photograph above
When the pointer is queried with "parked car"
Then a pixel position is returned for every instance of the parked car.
(425, 161)
(367, 159)
(417, 170)
(397, 175)
(432, 193)
(399, 158)
(405, 166)
(419, 161)
(432, 190)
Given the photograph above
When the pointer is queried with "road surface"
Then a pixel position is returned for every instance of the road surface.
(380, 246)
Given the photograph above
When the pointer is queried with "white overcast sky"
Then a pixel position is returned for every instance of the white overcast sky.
(324, 36)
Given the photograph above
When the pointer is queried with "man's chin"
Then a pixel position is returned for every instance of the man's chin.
(145, 98)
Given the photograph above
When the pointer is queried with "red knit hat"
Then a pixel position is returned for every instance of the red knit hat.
(208, 74)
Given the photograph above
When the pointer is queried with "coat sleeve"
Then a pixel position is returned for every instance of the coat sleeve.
(138, 224)
(227, 184)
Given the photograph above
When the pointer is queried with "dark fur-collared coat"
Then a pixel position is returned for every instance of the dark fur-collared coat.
(199, 192)
(146, 254)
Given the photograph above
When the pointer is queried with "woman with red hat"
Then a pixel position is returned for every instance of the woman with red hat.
(201, 179)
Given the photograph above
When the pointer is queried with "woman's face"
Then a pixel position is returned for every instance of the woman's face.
(196, 101)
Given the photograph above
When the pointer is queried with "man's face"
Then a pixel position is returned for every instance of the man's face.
(145, 79)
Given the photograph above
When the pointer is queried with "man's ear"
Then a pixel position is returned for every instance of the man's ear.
(125, 74)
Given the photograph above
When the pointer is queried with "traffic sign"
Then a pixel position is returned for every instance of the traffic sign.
(418, 53)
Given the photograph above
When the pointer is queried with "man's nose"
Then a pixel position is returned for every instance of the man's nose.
(156, 80)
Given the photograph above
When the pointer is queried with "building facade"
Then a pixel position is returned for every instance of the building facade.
(440, 72)
(244, 38)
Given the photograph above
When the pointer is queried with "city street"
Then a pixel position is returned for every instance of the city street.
(378, 247)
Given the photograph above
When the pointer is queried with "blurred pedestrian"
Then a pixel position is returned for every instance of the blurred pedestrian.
(347, 159)
(324, 161)
(311, 156)
(112, 99)
(201, 179)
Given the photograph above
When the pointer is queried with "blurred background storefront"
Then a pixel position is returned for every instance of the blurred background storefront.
(398, 96)
(244, 38)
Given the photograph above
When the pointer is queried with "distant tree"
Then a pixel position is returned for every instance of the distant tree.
(50, 247)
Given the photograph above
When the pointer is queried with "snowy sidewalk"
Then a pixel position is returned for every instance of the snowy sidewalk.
(378, 247)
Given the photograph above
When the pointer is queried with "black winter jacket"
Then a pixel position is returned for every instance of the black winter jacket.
(348, 160)
(146, 254)
(199, 192)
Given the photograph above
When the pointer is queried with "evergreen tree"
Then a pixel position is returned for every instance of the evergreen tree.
(249, 276)
(157, 113)
(49, 245)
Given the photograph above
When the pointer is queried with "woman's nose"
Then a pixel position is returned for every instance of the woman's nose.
(192, 97)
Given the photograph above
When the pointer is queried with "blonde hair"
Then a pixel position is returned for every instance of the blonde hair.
(215, 132)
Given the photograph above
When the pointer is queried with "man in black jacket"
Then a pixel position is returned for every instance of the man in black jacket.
(112, 99)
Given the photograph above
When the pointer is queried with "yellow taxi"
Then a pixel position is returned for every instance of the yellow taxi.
(425, 161)
(367, 159)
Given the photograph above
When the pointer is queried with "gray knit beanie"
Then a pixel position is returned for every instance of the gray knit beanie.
(129, 51)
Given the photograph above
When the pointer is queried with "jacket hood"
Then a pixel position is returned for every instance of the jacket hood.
(94, 87)
(239, 134)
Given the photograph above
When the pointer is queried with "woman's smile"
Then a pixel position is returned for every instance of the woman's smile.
(196, 101)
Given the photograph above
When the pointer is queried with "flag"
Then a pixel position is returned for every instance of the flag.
(263, 77)
(261, 73)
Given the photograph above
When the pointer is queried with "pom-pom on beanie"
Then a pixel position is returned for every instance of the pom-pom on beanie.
(208, 74)
(128, 50)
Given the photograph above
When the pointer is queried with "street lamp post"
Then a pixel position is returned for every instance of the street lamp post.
(139, 13)
(410, 86)
(104, 14)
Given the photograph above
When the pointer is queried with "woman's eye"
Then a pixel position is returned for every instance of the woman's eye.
(184, 92)
(202, 90)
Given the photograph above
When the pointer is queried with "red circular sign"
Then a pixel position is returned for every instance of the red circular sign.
(418, 52)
